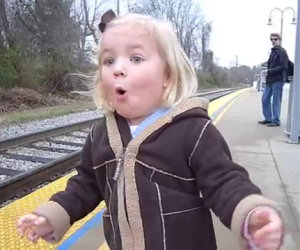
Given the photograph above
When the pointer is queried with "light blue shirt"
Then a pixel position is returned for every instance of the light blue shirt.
(148, 121)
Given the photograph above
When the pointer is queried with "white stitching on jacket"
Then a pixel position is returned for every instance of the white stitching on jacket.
(166, 173)
(91, 132)
(110, 219)
(153, 171)
(161, 216)
(103, 164)
(183, 211)
(197, 142)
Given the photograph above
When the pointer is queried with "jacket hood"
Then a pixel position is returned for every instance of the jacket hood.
(192, 107)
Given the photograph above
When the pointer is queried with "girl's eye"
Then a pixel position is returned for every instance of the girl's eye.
(108, 61)
(136, 59)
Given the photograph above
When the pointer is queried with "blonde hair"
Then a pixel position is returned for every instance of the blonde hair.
(182, 78)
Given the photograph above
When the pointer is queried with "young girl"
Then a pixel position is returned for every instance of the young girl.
(156, 159)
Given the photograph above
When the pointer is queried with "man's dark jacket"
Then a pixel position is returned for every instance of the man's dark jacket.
(277, 65)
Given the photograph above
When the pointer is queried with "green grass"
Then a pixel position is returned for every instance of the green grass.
(45, 112)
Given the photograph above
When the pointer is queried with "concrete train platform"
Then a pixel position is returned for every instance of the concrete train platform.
(273, 165)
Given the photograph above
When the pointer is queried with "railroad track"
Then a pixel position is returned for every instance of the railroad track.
(27, 138)
(215, 94)
(29, 160)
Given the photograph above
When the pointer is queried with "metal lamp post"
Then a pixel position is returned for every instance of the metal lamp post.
(295, 96)
(281, 19)
(118, 7)
(293, 117)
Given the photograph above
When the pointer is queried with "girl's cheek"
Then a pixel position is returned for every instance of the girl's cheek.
(108, 88)
(109, 91)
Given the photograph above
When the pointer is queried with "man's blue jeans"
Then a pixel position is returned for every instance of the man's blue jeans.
(271, 102)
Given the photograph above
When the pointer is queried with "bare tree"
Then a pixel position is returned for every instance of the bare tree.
(88, 17)
(207, 59)
(5, 25)
(1, 36)
(91, 23)
(184, 15)
(47, 26)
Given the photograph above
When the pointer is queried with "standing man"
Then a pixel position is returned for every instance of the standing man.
(276, 76)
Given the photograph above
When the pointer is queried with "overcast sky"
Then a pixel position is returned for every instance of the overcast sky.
(239, 28)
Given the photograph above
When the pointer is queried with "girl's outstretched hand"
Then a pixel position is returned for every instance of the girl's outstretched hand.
(266, 228)
(34, 227)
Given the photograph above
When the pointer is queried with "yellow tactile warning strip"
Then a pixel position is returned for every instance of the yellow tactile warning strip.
(225, 102)
(104, 247)
(9, 238)
(216, 104)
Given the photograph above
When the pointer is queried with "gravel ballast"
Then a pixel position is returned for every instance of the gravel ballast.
(10, 131)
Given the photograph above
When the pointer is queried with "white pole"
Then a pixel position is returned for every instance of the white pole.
(295, 114)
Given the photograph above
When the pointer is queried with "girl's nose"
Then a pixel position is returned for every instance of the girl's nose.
(119, 69)
(119, 72)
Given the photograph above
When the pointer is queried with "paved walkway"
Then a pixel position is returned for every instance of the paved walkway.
(273, 163)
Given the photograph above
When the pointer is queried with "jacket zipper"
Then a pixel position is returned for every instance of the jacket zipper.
(120, 163)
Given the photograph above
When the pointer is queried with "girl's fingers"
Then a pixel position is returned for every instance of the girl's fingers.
(270, 234)
(36, 238)
(40, 221)
(32, 236)
(26, 222)
(27, 219)
(260, 217)
(268, 230)
(270, 246)
(33, 227)
(24, 227)
(268, 243)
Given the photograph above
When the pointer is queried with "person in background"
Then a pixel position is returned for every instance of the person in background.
(276, 75)
(156, 158)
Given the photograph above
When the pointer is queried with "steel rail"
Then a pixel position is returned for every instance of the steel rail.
(31, 137)
(29, 179)
(202, 94)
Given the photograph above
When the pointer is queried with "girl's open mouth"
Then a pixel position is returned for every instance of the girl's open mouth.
(120, 92)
